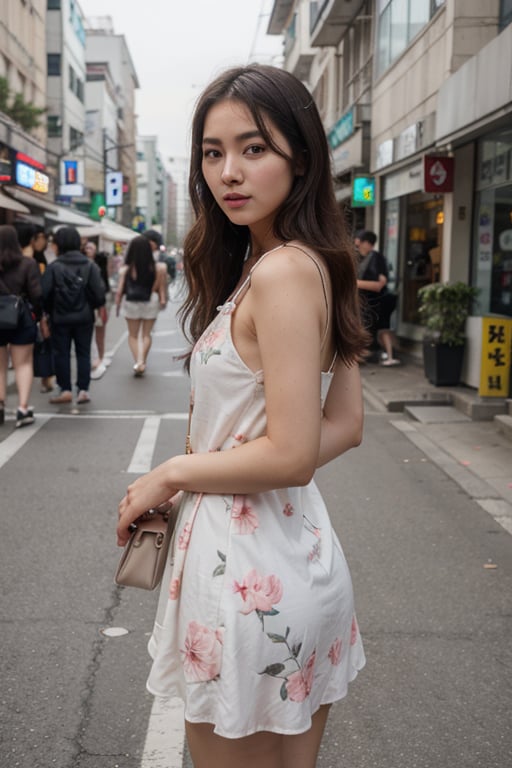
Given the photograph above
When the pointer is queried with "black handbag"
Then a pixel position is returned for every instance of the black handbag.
(43, 359)
(11, 311)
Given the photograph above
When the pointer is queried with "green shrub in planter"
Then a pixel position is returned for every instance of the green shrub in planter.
(443, 309)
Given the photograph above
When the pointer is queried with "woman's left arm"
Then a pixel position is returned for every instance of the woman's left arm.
(342, 421)
(161, 270)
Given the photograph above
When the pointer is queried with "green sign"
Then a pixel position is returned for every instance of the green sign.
(363, 191)
(342, 129)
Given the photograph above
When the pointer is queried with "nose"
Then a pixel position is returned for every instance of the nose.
(231, 171)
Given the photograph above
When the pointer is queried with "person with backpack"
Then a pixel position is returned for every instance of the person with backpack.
(72, 289)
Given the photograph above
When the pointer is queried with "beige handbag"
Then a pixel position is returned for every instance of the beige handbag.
(144, 556)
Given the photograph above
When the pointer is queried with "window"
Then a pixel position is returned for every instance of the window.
(80, 90)
(72, 79)
(399, 23)
(54, 126)
(53, 64)
(76, 138)
(505, 13)
(53, 5)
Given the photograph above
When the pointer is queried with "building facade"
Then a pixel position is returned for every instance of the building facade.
(416, 98)
(24, 179)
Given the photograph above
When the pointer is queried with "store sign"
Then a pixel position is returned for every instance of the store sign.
(71, 178)
(113, 188)
(343, 129)
(496, 357)
(384, 154)
(29, 174)
(363, 191)
(6, 164)
(438, 173)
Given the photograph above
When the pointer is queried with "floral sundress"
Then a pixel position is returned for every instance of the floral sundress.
(255, 626)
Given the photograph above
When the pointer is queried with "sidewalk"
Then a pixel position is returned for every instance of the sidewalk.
(441, 422)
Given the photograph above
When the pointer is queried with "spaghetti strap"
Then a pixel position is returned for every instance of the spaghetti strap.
(324, 288)
(247, 280)
(333, 363)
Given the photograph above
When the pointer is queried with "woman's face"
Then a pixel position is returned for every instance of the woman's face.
(248, 180)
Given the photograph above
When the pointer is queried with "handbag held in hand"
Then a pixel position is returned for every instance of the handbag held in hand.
(144, 556)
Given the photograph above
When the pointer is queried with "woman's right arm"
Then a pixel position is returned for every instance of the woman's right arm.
(120, 288)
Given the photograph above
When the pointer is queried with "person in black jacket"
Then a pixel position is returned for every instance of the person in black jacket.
(72, 290)
(19, 275)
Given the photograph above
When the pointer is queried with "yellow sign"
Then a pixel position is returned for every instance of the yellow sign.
(496, 357)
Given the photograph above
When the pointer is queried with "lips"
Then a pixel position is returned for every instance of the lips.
(234, 200)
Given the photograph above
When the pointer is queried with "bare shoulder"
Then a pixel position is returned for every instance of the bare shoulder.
(293, 263)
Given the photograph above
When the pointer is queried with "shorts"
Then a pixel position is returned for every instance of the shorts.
(18, 336)
(386, 307)
(141, 310)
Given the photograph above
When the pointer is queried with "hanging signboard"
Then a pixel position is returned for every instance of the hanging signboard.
(113, 188)
(363, 191)
(438, 173)
(29, 173)
(496, 357)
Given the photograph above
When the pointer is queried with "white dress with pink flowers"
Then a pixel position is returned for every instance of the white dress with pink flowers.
(255, 626)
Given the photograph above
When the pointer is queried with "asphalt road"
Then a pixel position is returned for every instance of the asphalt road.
(432, 575)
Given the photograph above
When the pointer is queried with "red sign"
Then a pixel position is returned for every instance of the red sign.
(438, 173)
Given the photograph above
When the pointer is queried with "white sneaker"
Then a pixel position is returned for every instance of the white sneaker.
(99, 371)
(83, 397)
(106, 361)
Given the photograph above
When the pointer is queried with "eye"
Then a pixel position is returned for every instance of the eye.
(255, 149)
(211, 153)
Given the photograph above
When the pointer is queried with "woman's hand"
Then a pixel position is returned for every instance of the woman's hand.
(147, 492)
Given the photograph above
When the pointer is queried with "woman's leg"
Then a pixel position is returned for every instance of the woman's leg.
(301, 751)
(4, 362)
(23, 363)
(386, 341)
(147, 339)
(133, 338)
(100, 341)
(261, 750)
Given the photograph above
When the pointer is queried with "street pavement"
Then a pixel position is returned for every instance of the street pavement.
(422, 509)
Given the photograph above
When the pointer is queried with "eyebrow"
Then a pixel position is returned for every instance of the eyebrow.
(241, 137)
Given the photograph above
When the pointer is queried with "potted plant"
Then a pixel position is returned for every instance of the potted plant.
(443, 309)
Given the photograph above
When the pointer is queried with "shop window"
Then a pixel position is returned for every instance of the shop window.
(53, 5)
(53, 64)
(492, 253)
(423, 249)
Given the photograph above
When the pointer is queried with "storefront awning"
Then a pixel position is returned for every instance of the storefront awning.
(12, 205)
(30, 200)
(109, 230)
(67, 216)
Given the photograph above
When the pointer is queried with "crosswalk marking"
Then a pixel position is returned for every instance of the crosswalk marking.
(165, 735)
(143, 454)
(12, 444)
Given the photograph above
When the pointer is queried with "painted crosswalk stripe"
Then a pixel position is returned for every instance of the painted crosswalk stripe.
(143, 454)
(165, 735)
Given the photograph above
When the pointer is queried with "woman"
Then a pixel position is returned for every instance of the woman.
(19, 275)
(143, 286)
(99, 362)
(256, 628)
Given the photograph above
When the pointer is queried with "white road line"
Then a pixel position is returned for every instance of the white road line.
(165, 735)
(143, 453)
(12, 444)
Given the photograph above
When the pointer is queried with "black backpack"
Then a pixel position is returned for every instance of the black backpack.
(70, 289)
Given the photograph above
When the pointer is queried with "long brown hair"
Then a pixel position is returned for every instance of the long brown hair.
(10, 250)
(214, 248)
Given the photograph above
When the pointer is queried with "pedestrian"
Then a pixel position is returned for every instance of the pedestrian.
(72, 290)
(377, 301)
(99, 361)
(256, 628)
(141, 294)
(19, 276)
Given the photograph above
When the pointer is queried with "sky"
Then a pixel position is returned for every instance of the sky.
(177, 47)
